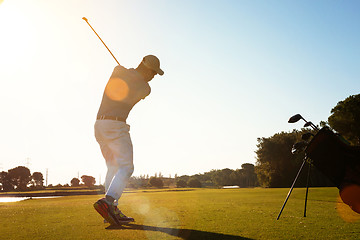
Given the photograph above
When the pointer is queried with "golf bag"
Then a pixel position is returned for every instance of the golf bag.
(339, 161)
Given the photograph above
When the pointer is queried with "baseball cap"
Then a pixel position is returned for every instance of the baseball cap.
(152, 62)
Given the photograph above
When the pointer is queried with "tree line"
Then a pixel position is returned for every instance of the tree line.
(243, 177)
(21, 179)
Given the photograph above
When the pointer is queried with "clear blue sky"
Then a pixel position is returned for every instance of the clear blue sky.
(234, 71)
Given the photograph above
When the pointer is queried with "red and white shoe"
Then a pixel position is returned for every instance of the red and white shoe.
(111, 213)
(107, 211)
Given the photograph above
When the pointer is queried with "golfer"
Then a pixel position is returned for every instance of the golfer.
(125, 88)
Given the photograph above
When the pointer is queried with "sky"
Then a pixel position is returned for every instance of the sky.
(235, 71)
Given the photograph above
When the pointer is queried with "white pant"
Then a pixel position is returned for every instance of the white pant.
(116, 147)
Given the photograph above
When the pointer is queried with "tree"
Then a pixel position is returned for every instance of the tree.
(38, 179)
(249, 175)
(221, 177)
(156, 182)
(75, 182)
(89, 181)
(237, 178)
(181, 184)
(5, 181)
(20, 177)
(345, 118)
(276, 166)
(137, 182)
(194, 183)
(244, 177)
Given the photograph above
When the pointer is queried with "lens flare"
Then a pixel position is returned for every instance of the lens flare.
(348, 204)
(142, 206)
(158, 219)
(164, 220)
(351, 196)
(117, 89)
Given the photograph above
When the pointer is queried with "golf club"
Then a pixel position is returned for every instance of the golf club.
(298, 147)
(307, 124)
(307, 136)
(85, 19)
(297, 117)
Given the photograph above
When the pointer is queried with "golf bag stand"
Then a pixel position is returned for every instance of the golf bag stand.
(293, 184)
(336, 159)
(307, 187)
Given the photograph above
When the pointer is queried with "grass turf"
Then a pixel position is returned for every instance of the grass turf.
(195, 214)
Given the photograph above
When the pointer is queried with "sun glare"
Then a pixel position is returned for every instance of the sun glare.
(117, 89)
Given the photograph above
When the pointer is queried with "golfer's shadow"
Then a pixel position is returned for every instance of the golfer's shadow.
(187, 234)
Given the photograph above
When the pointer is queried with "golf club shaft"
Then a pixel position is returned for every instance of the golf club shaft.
(311, 124)
(85, 19)
(315, 127)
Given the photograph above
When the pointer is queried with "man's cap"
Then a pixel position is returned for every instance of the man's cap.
(152, 62)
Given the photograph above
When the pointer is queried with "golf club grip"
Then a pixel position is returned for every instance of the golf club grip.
(85, 19)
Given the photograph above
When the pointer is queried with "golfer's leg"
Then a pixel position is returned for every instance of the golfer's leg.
(105, 132)
(111, 164)
(111, 171)
(119, 182)
(122, 150)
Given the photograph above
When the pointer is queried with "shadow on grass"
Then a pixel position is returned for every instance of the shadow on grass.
(187, 234)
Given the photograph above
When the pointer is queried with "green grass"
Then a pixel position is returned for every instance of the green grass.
(197, 214)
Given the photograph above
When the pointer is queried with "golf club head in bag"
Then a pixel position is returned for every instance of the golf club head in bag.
(295, 118)
(306, 136)
(308, 124)
(298, 147)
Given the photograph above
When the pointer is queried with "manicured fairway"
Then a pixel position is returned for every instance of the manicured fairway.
(195, 214)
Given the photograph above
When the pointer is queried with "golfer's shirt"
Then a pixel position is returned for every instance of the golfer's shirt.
(125, 88)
